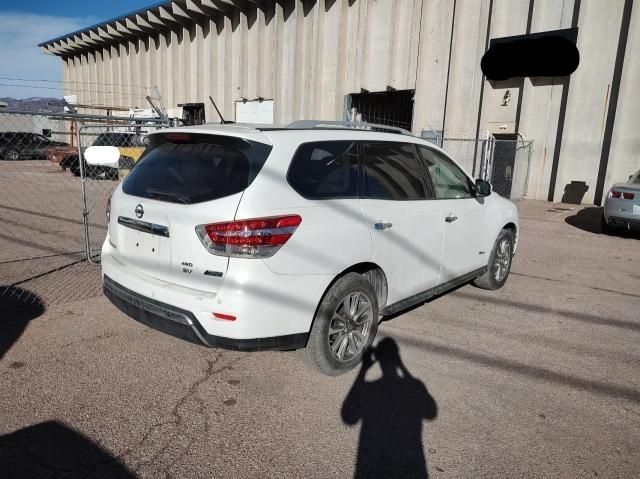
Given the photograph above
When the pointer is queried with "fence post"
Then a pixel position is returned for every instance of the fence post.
(526, 178)
(85, 210)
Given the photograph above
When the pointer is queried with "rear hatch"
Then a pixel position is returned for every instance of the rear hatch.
(183, 180)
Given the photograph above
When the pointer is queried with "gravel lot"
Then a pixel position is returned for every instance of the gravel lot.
(539, 379)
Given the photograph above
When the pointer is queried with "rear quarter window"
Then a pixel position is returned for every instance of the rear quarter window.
(325, 169)
(200, 168)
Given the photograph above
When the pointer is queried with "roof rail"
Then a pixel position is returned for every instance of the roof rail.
(352, 125)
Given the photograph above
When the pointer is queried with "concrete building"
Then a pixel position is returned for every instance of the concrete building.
(407, 62)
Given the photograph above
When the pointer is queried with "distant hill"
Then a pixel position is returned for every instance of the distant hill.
(35, 103)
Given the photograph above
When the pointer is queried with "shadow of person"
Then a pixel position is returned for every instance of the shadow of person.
(51, 449)
(17, 307)
(391, 410)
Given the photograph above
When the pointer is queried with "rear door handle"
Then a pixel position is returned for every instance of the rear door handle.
(450, 219)
(383, 225)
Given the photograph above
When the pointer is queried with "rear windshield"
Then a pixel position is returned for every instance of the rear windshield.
(202, 168)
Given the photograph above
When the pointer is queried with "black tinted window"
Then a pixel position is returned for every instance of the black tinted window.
(393, 172)
(449, 181)
(327, 169)
(202, 169)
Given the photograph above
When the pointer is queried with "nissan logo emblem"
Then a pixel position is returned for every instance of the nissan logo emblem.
(139, 211)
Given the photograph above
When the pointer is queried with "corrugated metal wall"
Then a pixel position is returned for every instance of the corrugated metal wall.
(308, 55)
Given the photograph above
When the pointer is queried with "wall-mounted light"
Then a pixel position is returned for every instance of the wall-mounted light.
(506, 99)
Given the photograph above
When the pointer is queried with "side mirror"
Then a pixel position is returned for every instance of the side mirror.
(102, 156)
(483, 188)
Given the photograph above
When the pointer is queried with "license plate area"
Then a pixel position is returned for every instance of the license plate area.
(144, 249)
(636, 209)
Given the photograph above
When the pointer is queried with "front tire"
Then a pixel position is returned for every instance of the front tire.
(499, 265)
(344, 326)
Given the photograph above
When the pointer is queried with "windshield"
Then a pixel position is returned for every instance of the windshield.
(635, 179)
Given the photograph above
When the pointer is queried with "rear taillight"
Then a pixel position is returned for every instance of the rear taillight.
(627, 195)
(252, 238)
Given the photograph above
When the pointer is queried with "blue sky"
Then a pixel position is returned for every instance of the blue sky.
(24, 24)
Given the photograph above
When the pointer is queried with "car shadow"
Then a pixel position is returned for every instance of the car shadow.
(590, 219)
(17, 308)
(51, 449)
(391, 410)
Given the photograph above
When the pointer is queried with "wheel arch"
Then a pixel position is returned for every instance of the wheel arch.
(514, 228)
(372, 272)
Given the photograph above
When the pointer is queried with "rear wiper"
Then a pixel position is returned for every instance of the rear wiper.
(185, 200)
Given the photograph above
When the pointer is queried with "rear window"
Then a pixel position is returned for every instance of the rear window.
(202, 168)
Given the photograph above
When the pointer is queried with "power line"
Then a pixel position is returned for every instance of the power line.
(75, 90)
(69, 81)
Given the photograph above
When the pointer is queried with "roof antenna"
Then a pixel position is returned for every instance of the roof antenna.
(222, 120)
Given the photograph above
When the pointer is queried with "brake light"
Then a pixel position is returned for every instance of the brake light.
(251, 238)
(178, 137)
(627, 195)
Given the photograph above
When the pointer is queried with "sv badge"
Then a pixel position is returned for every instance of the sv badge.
(187, 268)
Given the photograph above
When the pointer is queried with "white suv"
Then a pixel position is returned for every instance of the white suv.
(298, 237)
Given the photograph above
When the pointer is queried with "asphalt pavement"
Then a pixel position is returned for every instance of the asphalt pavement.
(538, 379)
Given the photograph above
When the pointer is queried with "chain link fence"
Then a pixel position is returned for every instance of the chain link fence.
(109, 151)
(503, 163)
(53, 202)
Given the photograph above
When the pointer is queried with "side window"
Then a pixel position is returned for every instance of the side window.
(325, 169)
(449, 181)
(393, 172)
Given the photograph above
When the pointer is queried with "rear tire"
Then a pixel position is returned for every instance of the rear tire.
(11, 154)
(607, 228)
(344, 326)
(499, 265)
(126, 163)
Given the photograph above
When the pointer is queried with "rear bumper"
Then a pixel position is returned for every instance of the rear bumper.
(624, 222)
(183, 324)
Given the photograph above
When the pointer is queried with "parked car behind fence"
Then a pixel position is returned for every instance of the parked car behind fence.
(22, 145)
(130, 144)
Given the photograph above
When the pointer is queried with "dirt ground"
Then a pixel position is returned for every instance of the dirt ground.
(538, 379)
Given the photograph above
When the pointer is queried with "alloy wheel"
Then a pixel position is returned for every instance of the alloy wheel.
(503, 260)
(350, 326)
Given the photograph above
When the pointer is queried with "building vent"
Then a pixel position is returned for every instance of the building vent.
(393, 107)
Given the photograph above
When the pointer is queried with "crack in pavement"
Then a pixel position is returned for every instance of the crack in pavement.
(190, 405)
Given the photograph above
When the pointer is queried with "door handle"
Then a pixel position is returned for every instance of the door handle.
(450, 219)
(383, 225)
